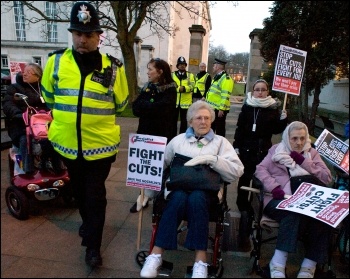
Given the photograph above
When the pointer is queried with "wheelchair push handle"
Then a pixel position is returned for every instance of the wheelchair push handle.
(258, 191)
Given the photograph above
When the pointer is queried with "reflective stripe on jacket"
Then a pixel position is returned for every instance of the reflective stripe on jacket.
(200, 84)
(83, 109)
(219, 93)
(184, 99)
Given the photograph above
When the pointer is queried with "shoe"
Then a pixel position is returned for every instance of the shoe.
(306, 272)
(277, 271)
(200, 270)
(151, 266)
(133, 209)
(244, 244)
(82, 230)
(93, 257)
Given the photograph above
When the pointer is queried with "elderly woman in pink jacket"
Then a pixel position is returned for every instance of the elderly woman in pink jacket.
(294, 156)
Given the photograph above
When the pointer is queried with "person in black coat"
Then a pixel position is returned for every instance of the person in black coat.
(27, 83)
(258, 120)
(155, 106)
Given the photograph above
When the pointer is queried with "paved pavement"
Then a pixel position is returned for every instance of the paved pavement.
(47, 245)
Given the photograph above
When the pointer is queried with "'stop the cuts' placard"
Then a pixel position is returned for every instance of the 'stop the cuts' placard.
(289, 70)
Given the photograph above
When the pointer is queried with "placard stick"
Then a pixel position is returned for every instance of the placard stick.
(285, 101)
(140, 220)
(258, 191)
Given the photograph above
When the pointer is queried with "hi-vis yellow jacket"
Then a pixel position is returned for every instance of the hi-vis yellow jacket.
(84, 110)
(184, 99)
(220, 91)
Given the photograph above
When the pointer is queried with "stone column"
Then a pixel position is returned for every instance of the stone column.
(137, 51)
(255, 60)
(196, 47)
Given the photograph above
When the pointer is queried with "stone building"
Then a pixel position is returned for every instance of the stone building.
(23, 42)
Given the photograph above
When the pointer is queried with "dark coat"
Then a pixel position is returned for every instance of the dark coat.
(267, 123)
(155, 107)
(13, 109)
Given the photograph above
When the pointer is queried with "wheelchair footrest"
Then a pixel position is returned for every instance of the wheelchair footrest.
(166, 269)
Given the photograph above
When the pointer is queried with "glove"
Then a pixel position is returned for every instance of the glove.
(202, 159)
(139, 205)
(298, 158)
(283, 115)
(278, 193)
(237, 151)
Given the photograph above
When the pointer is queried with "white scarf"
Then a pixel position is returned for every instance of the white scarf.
(259, 102)
(284, 149)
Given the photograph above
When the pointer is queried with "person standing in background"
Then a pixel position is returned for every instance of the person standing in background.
(185, 82)
(85, 89)
(203, 82)
(258, 120)
(155, 106)
(218, 96)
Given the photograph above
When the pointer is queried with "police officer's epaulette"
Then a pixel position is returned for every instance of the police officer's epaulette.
(227, 76)
(57, 51)
(115, 60)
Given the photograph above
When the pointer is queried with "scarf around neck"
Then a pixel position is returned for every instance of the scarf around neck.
(260, 102)
(283, 150)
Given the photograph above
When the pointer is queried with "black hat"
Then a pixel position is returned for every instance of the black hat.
(84, 18)
(217, 61)
(181, 60)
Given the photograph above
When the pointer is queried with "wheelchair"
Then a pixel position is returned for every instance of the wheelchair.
(218, 210)
(265, 230)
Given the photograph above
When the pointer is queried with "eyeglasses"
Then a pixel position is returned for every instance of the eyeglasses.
(201, 118)
(260, 90)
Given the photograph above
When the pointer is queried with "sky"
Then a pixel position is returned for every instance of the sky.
(231, 25)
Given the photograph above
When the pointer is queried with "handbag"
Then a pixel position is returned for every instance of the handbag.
(295, 181)
(189, 178)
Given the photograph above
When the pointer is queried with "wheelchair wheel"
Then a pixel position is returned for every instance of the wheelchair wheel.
(141, 257)
(17, 203)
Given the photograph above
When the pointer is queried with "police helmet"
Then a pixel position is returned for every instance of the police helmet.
(84, 18)
(181, 60)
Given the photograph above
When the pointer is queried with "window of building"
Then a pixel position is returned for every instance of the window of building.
(19, 20)
(4, 61)
(51, 12)
(37, 60)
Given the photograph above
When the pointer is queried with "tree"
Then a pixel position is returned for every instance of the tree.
(122, 20)
(321, 28)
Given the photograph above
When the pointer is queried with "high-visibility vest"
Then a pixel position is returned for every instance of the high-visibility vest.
(200, 84)
(220, 91)
(84, 110)
(184, 99)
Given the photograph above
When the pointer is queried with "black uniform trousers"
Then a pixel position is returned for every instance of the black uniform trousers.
(219, 124)
(249, 158)
(88, 183)
(183, 119)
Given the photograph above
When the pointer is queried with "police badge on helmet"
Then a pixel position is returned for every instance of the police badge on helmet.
(84, 18)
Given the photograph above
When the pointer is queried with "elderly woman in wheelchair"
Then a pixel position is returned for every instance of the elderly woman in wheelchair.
(294, 157)
(206, 149)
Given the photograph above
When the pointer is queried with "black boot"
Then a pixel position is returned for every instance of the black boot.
(245, 226)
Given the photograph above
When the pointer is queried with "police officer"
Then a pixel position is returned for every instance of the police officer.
(85, 89)
(219, 96)
(203, 82)
(185, 83)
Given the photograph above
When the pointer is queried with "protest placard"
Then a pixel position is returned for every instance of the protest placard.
(145, 161)
(333, 150)
(16, 67)
(328, 205)
(289, 70)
